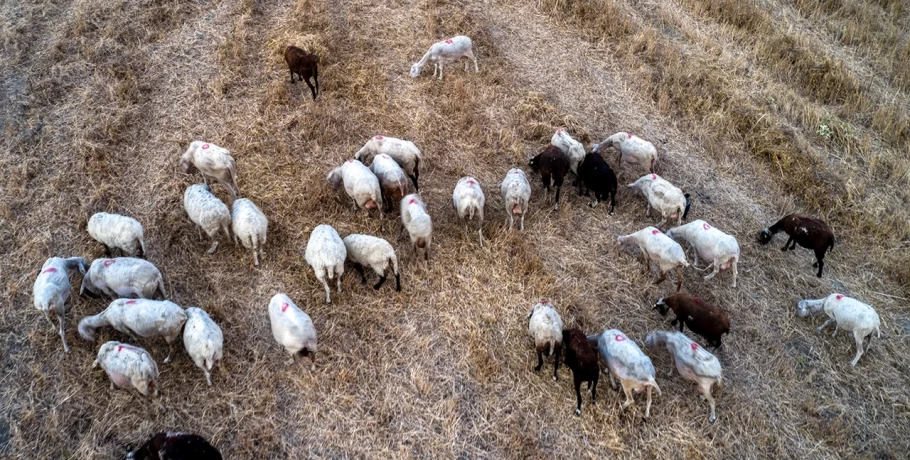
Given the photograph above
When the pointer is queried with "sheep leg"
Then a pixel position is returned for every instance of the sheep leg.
(66, 347)
(648, 406)
(678, 278)
(556, 352)
(672, 365)
(578, 395)
(706, 391)
(648, 210)
(440, 70)
(629, 398)
(522, 226)
(835, 329)
(539, 360)
(381, 280)
(826, 323)
(214, 247)
(612, 381)
(734, 272)
(292, 76)
(820, 256)
(592, 384)
(199, 232)
(170, 350)
(312, 88)
(208, 377)
(49, 321)
(312, 360)
(789, 240)
(858, 336)
(320, 275)
(558, 189)
(339, 271)
(663, 274)
(255, 258)
(511, 220)
(359, 269)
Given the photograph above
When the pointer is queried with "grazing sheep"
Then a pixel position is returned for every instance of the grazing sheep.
(128, 367)
(405, 153)
(415, 219)
(52, 289)
(305, 65)
(391, 177)
(573, 149)
(692, 361)
(702, 318)
(325, 253)
(445, 52)
(175, 446)
(516, 195)
(468, 200)
(360, 184)
(664, 197)
(138, 318)
(711, 244)
(848, 314)
(808, 232)
(655, 245)
(595, 174)
(551, 163)
(213, 162)
(203, 340)
(373, 252)
(632, 149)
(545, 327)
(208, 212)
(250, 226)
(627, 363)
(123, 277)
(292, 328)
(116, 231)
(582, 359)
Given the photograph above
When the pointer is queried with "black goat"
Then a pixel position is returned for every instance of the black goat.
(595, 174)
(551, 163)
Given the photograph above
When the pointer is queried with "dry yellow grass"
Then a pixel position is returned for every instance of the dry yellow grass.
(100, 98)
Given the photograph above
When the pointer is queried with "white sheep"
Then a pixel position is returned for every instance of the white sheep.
(116, 231)
(138, 318)
(711, 244)
(392, 180)
(516, 195)
(627, 363)
(663, 196)
(292, 328)
(405, 153)
(545, 327)
(203, 340)
(360, 184)
(376, 253)
(632, 149)
(128, 367)
(655, 245)
(325, 252)
(693, 362)
(250, 226)
(123, 277)
(468, 200)
(213, 162)
(848, 314)
(416, 220)
(208, 212)
(52, 289)
(444, 52)
(573, 149)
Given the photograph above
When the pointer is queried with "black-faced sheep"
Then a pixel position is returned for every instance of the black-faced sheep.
(808, 232)
(305, 65)
(581, 357)
(553, 165)
(595, 174)
(175, 446)
(702, 318)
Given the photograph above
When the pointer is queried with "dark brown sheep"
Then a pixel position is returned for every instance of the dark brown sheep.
(304, 64)
(581, 357)
(808, 232)
(552, 162)
(595, 174)
(702, 318)
(175, 446)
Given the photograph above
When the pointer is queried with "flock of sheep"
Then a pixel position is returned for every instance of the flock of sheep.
(140, 309)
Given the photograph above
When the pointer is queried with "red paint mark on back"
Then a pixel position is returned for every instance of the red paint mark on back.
(470, 181)
(284, 307)
(630, 136)
(378, 138)
(839, 296)
(653, 176)
(655, 231)
(620, 338)
(119, 348)
(694, 346)
(706, 227)
(412, 201)
(109, 262)
(130, 302)
(449, 41)
(205, 146)
(561, 130)
(49, 270)
(697, 300)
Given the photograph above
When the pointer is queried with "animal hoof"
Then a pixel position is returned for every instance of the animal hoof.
(555, 378)
(577, 411)
(711, 419)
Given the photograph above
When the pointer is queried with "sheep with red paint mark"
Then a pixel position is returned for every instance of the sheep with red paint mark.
(545, 328)
(693, 362)
(702, 318)
(123, 277)
(553, 165)
(662, 249)
(203, 340)
(392, 180)
(213, 162)
(581, 357)
(468, 199)
(627, 363)
(325, 253)
(417, 221)
(305, 65)
(405, 153)
(632, 149)
(663, 196)
(808, 232)
(292, 328)
(117, 231)
(573, 149)
(138, 318)
(711, 244)
(516, 196)
(848, 314)
(445, 52)
(208, 212)
(128, 366)
(359, 183)
(52, 289)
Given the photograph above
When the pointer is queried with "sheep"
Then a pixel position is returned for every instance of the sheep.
(213, 162)
(360, 184)
(468, 200)
(595, 174)
(848, 314)
(702, 318)
(170, 445)
(203, 340)
(325, 253)
(138, 318)
(655, 245)
(551, 163)
(292, 328)
(305, 65)
(664, 197)
(415, 219)
(582, 359)
(391, 177)
(711, 244)
(573, 149)
(545, 328)
(128, 366)
(405, 153)
(373, 252)
(626, 362)
(444, 52)
(808, 232)
(516, 195)
(52, 289)
(116, 231)
(123, 277)
(250, 226)
(632, 149)
(692, 361)
(208, 212)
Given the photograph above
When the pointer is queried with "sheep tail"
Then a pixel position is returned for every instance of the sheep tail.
(161, 287)
(142, 246)
(831, 245)
(552, 346)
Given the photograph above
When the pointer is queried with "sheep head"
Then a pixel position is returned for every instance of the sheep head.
(535, 162)
(765, 236)
(656, 339)
(415, 70)
(806, 307)
(187, 166)
(88, 287)
(662, 307)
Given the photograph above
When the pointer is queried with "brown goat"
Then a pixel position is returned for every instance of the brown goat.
(304, 64)
(702, 318)
(581, 357)
(808, 232)
(554, 163)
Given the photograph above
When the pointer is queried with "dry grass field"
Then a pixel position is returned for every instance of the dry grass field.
(758, 108)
